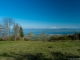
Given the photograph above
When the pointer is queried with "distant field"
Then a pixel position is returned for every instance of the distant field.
(38, 50)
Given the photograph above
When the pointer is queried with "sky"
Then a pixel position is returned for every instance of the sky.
(42, 13)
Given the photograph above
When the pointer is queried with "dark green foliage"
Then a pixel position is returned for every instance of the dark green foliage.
(1, 39)
(62, 37)
(75, 36)
(21, 32)
(79, 36)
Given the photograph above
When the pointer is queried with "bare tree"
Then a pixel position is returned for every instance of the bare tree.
(8, 22)
(30, 35)
(44, 36)
(16, 30)
(1, 30)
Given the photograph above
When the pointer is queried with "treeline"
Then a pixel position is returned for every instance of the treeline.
(6, 26)
(44, 37)
(75, 36)
(36, 37)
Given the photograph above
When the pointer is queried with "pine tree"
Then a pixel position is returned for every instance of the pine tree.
(21, 32)
(76, 35)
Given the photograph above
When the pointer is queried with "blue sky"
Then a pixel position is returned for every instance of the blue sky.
(42, 13)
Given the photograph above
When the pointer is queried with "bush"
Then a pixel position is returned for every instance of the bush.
(53, 38)
(1, 39)
(57, 38)
(17, 38)
(11, 38)
(79, 36)
(27, 39)
(64, 38)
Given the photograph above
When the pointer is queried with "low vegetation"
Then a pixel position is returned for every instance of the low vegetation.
(39, 50)
(75, 36)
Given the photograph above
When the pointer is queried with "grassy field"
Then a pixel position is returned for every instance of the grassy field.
(39, 50)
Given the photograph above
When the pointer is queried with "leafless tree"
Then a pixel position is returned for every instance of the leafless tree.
(8, 23)
(30, 35)
(1, 30)
(44, 36)
(16, 30)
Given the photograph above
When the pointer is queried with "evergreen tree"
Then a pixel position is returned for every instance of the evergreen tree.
(21, 32)
(79, 36)
(76, 37)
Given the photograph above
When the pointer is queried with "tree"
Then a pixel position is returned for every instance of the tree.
(76, 37)
(43, 36)
(2, 31)
(8, 22)
(79, 36)
(29, 36)
(21, 32)
(16, 30)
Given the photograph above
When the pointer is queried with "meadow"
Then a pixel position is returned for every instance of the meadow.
(39, 50)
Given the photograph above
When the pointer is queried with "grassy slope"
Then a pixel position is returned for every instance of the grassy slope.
(16, 50)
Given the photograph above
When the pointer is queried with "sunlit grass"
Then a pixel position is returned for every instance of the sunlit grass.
(16, 48)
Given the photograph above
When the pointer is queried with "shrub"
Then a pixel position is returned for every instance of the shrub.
(17, 38)
(53, 38)
(27, 39)
(11, 38)
(57, 38)
(1, 39)
(64, 38)
(79, 36)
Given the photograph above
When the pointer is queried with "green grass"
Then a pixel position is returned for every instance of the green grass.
(38, 50)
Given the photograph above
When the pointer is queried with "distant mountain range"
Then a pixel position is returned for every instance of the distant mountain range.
(55, 28)
(51, 31)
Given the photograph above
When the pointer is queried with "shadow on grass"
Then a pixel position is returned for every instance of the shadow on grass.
(65, 56)
(78, 50)
(39, 56)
